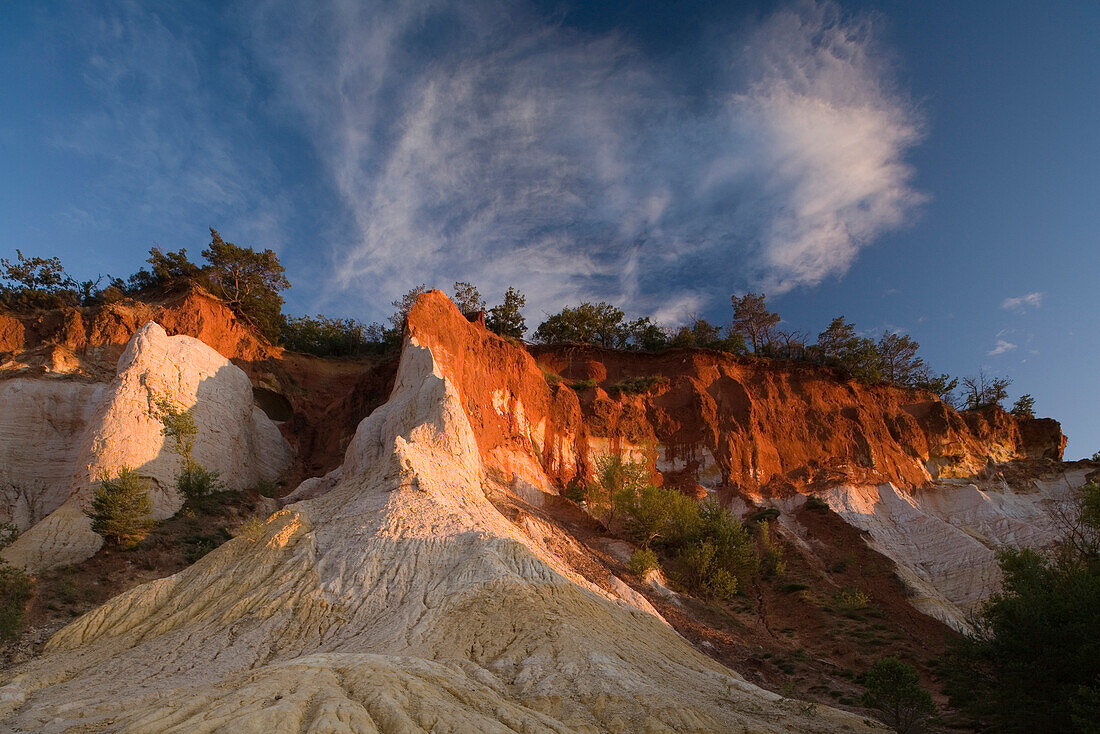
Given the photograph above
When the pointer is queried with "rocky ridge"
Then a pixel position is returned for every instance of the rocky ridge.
(398, 598)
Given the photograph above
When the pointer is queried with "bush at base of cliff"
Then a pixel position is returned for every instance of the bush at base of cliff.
(642, 560)
(893, 689)
(15, 589)
(121, 509)
(1034, 663)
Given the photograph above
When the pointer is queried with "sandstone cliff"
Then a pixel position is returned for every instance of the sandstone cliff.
(235, 438)
(399, 598)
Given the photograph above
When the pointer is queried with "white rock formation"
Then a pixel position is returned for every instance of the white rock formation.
(235, 438)
(945, 538)
(42, 421)
(397, 599)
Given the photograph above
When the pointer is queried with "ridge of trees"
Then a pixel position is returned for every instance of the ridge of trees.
(251, 283)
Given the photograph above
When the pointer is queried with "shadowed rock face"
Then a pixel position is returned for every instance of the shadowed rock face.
(397, 599)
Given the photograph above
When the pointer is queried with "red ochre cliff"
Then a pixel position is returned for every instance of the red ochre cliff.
(703, 419)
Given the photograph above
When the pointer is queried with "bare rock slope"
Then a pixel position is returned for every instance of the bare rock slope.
(397, 599)
(235, 438)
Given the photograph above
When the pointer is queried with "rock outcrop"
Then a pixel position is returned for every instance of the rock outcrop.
(397, 599)
(742, 423)
(235, 438)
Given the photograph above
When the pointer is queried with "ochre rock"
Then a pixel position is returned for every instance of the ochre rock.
(398, 599)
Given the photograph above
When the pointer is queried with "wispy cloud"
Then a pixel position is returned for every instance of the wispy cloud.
(1022, 303)
(1001, 347)
(478, 141)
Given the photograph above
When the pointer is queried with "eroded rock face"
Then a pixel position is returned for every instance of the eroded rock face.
(397, 599)
(42, 422)
(723, 421)
(235, 438)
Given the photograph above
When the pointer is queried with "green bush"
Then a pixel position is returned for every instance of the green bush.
(582, 384)
(121, 509)
(771, 561)
(642, 560)
(331, 337)
(893, 689)
(850, 600)
(1034, 662)
(15, 591)
(816, 504)
(195, 482)
(639, 385)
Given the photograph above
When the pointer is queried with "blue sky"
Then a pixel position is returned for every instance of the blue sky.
(928, 167)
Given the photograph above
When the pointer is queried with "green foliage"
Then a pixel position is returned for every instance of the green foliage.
(468, 299)
(16, 587)
(574, 491)
(816, 504)
(1024, 407)
(753, 320)
(1034, 662)
(332, 337)
(898, 360)
(616, 481)
(195, 482)
(942, 386)
(639, 385)
(893, 689)
(177, 425)
(839, 345)
(644, 335)
(984, 391)
(121, 509)
(506, 318)
(849, 600)
(582, 384)
(702, 333)
(249, 281)
(763, 515)
(643, 560)
(771, 559)
(403, 305)
(36, 282)
(599, 323)
(168, 270)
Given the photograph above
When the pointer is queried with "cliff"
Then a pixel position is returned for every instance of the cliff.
(400, 598)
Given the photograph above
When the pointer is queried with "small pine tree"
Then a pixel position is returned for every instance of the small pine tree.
(15, 588)
(121, 509)
(1024, 407)
(507, 318)
(194, 481)
(893, 688)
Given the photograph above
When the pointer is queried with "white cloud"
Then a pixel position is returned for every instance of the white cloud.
(1022, 303)
(477, 141)
(1001, 347)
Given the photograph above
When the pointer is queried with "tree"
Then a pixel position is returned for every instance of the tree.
(249, 281)
(894, 689)
(984, 391)
(121, 508)
(943, 386)
(330, 337)
(194, 481)
(403, 305)
(1024, 407)
(36, 282)
(701, 333)
(591, 323)
(841, 346)
(468, 299)
(645, 336)
(15, 588)
(167, 270)
(507, 319)
(898, 359)
(752, 319)
(1033, 664)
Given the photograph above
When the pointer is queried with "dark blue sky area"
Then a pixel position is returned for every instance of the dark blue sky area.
(929, 167)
